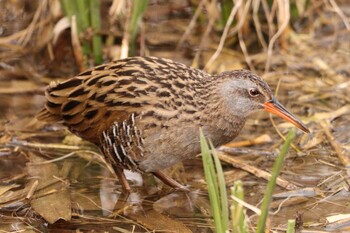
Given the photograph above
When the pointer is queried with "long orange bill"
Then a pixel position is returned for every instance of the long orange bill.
(278, 109)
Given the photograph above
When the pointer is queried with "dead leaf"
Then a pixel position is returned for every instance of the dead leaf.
(52, 199)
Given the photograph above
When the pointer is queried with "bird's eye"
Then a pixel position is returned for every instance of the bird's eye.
(253, 92)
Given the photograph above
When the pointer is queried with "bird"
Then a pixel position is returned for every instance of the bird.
(144, 113)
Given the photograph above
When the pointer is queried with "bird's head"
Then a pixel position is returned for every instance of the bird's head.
(244, 93)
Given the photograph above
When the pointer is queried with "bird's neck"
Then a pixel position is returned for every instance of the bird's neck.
(219, 124)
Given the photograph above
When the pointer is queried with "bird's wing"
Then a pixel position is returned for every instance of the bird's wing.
(90, 102)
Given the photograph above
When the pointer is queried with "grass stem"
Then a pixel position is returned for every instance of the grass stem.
(272, 182)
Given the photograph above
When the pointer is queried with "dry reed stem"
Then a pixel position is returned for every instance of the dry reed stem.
(267, 13)
(52, 160)
(290, 201)
(32, 189)
(191, 24)
(271, 15)
(236, 174)
(195, 62)
(255, 171)
(17, 35)
(118, 7)
(242, 19)
(25, 38)
(256, 5)
(245, 51)
(246, 151)
(265, 138)
(283, 6)
(211, 7)
(224, 34)
(247, 205)
(77, 50)
(124, 53)
(302, 192)
(282, 17)
(54, 146)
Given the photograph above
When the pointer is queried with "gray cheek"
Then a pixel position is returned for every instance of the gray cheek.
(235, 97)
(240, 107)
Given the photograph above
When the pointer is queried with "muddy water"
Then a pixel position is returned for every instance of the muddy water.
(91, 194)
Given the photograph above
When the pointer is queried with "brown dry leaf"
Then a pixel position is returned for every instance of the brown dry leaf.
(52, 198)
(158, 222)
(53, 206)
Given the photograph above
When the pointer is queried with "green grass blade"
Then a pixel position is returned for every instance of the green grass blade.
(139, 6)
(210, 164)
(238, 221)
(222, 188)
(83, 23)
(272, 182)
(69, 7)
(95, 19)
(291, 226)
(82, 13)
(209, 173)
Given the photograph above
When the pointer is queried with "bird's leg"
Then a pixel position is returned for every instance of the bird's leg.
(122, 179)
(123, 200)
(170, 181)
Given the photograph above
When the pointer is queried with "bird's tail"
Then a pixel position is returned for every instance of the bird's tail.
(45, 115)
(50, 113)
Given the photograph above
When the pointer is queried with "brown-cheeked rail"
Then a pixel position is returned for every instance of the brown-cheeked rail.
(144, 113)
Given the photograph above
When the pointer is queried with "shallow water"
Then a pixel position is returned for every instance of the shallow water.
(87, 194)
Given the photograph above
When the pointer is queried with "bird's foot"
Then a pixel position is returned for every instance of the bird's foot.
(171, 182)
